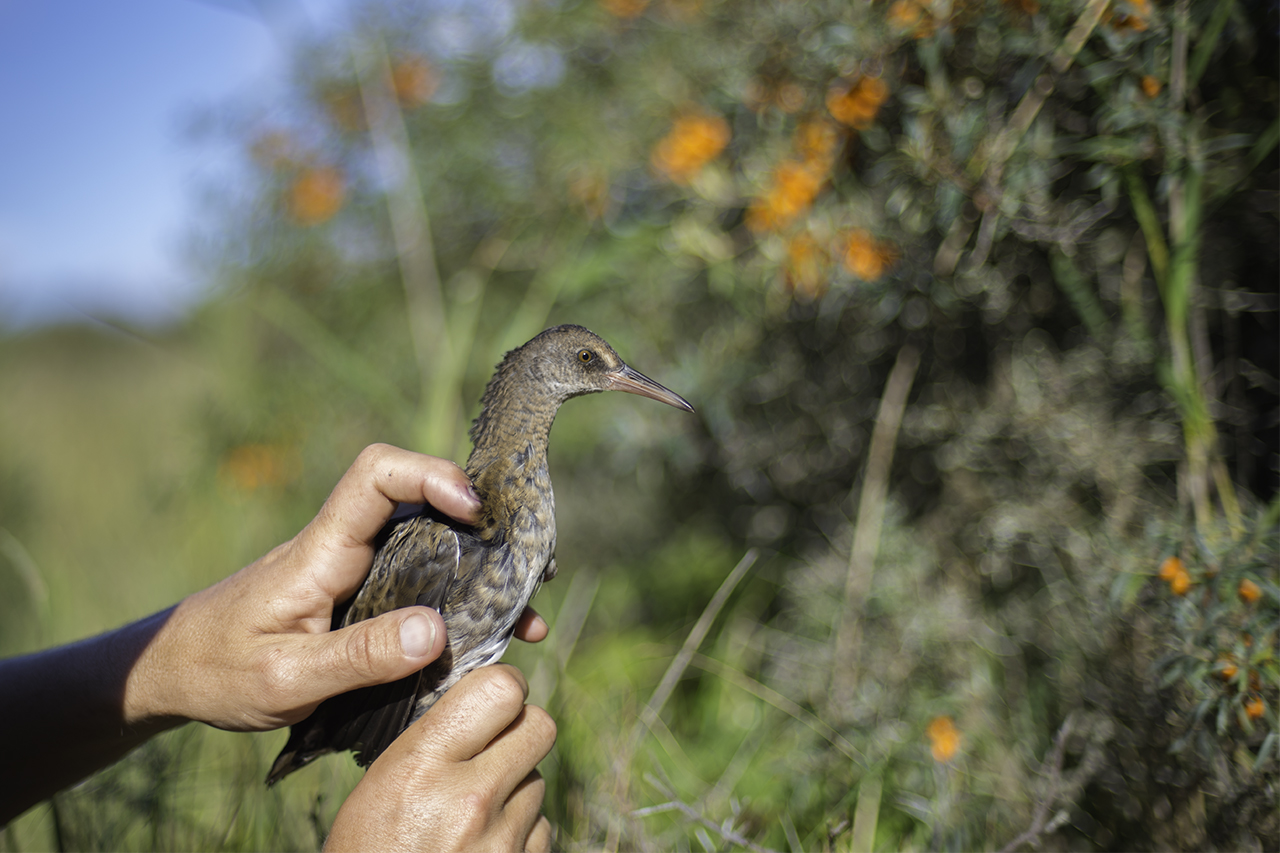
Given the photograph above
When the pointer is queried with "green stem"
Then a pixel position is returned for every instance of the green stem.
(1149, 222)
(1208, 41)
(1076, 287)
(1177, 297)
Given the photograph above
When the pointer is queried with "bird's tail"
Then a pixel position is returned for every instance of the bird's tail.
(297, 753)
(365, 720)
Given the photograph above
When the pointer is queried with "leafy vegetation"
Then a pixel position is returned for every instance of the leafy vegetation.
(974, 543)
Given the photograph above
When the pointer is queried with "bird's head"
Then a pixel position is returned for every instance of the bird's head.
(570, 361)
(560, 363)
(532, 381)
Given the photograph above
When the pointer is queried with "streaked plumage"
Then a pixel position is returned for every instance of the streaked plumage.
(480, 578)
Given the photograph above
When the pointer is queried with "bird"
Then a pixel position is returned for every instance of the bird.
(479, 577)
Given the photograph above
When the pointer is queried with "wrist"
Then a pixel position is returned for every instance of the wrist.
(150, 694)
(75, 710)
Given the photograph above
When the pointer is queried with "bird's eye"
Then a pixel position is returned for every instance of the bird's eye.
(585, 356)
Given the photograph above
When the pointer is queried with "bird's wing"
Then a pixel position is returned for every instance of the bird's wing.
(416, 563)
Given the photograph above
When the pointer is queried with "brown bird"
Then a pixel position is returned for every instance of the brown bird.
(480, 578)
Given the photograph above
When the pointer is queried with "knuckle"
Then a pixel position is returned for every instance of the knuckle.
(501, 688)
(281, 677)
(475, 811)
(363, 652)
(542, 723)
(372, 455)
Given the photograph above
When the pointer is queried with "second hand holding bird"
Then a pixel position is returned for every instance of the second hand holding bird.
(480, 577)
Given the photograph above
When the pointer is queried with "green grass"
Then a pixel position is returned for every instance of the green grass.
(110, 494)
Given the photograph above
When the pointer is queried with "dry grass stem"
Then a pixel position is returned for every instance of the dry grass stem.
(681, 661)
(725, 829)
(649, 715)
(415, 250)
(866, 536)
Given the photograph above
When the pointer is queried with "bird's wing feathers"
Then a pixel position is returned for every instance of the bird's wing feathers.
(416, 563)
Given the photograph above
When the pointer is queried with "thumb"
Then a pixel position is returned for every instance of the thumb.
(375, 651)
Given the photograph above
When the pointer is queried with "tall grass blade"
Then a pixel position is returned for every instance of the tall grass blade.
(680, 662)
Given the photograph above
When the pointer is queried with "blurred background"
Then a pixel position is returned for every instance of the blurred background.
(973, 541)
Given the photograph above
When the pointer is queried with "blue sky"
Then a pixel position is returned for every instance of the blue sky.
(98, 177)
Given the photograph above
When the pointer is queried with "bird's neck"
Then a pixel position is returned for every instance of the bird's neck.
(509, 461)
(511, 434)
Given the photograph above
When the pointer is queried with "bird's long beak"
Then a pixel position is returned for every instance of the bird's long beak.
(635, 382)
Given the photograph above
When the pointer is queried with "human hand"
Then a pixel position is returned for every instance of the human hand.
(460, 778)
(255, 651)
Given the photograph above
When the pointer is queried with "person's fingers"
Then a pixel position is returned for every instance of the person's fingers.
(472, 713)
(540, 837)
(462, 778)
(365, 498)
(531, 627)
(383, 476)
(515, 752)
(375, 651)
(523, 808)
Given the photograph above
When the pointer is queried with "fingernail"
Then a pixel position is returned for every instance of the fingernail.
(473, 495)
(417, 636)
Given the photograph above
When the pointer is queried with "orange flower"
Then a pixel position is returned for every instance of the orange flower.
(905, 14)
(815, 142)
(414, 81)
(1135, 23)
(316, 195)
(1150, 86)
(797, 182)
(1174, 571)
(909, 16)
(694, 140)
(795, 186)
(1135, 20)
(944, 739)
(1170, 568)
(250, 467)
(866, 257)
(1255, 707)
(1227, 669)
(625, 8)
(806, 270)
(856, 104)
(1249, 591)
